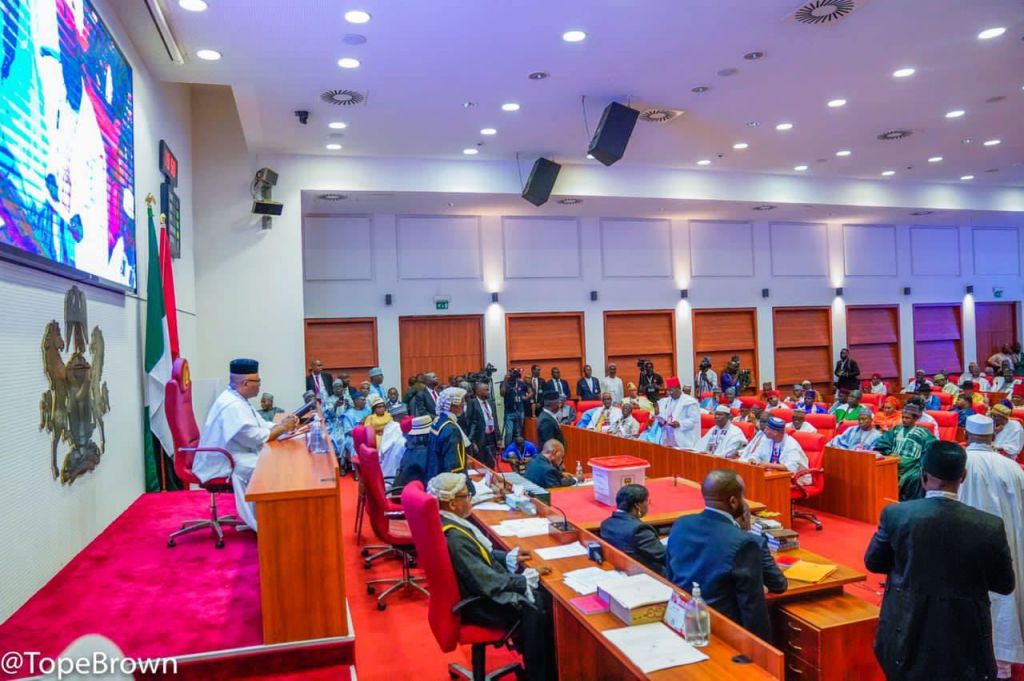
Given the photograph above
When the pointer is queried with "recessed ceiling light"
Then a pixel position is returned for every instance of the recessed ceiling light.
(208, 55)
(471, 151)
(538, 75)
(784, 126)
(570, 202)
(488, 131)
(836, 103)
(967, 177)
(903, 73)
(800, 168)
(888, 173)
(574, 36)
(510, 106)
(966, 140)
(337, 125)
(193, 5)
(935, 159)
(590, 157)
(754, 56)
(992, 143)
(753, 124)
(348, 63)
(955, 113)
(334, 147)
(740, 146)
(700, 89)
(357, 16)
(764, 207)
(332, 196)
(704, 162)
(990, 33)
(843, 152)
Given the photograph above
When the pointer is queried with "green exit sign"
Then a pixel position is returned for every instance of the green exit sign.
(997, 293)
(441, 304)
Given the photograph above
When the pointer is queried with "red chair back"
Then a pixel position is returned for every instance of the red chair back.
(784, 414)
(584, 406)
(181, 419)
(813, 445)
(750, 401)
(872, 400)
(845, 426)
(1017, 413)
(432, 552)
(948, 423)
(643, 417)
(707, 422)
(377, 505)
(405, 424)
(945, 399)
(825, 423)
(748, 429)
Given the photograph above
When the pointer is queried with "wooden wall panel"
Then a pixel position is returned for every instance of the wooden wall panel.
(938, 344)
(873, 337)
(343, 345)
(549, 339)
(995, 325)
(722, 333)
(444, 344)
(803, 346)
(632, 334)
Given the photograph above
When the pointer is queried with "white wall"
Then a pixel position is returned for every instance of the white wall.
(42, 523)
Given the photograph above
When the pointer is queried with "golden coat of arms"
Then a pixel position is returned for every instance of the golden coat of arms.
(73, 406)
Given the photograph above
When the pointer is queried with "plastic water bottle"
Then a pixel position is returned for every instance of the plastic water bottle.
(696, 620)
(579, 471)
(316, 441)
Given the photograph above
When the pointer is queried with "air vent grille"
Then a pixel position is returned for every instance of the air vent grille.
(343, 97)
(890, 135)
(824, 12)
(660, 115)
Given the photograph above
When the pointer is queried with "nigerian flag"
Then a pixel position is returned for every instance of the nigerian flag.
(158, 364)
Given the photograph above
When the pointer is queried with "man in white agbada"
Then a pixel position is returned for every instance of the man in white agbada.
(995, 484)
(724, 439)
(1009, 434)
(234, 425)
(776, 450)
(680, 414)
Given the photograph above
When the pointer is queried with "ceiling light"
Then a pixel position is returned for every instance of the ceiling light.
(989, 33)
(488, 131)
(800, 168)
(471, 151)
(967, 177)
(903, 73)
(337, 125)
(357, 16)
(510, 106)
(764, 207)
(348, 63)
(193, 5)
(538, 75)
(700, 89)
(955, 113)
(888, 173)
(753, 124)
(754, 56)
(334, 147)
(843, 152)
(784, 126)
(208, 55)
(992, 143)
(935, 159)
(836, 103)
(570, 202)
(574, 36)
(590, 157)
(704, 162)
(740, 146)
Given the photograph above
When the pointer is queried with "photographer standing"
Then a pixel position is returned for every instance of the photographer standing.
(517, 396)
(707, 378)
(648, 377)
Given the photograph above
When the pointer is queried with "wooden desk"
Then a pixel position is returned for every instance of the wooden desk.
(834, 583)
(828, 639)
(857, 484)
(670, 499)
(298, 512)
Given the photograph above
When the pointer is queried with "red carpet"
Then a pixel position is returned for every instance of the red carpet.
(844, 541)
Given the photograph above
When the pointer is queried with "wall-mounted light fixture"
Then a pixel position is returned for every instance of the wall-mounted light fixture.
(593, 295)
(970, 289)
(387, 298)
(764, 293)
(494, 297)
(839, 290)
(683, 294)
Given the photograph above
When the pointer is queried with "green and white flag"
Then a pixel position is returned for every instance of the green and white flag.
(158, 363)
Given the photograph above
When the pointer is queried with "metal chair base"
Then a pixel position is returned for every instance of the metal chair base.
(404, 582)
(479, 672)
(806, 515)
(214, 522)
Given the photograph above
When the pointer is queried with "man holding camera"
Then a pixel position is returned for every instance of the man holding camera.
(648, 377)
(707, 378)
(517, 396)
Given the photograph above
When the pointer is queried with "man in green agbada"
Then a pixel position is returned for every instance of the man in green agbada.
(907, 441)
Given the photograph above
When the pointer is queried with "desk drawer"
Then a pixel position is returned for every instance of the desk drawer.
(796, 638)
(800, 670)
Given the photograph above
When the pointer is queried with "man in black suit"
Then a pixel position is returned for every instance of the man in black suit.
(548, 427)
(537, 385)
(716, 550)
(942, 559)
(318, 380)
(588, 388)
(482, 425)
(545, 469)
(425, 401)
(557, 384)
(625, 531)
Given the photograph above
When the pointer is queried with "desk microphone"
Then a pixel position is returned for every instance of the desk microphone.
(564, 525)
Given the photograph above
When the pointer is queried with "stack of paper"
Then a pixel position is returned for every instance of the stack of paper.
(653, 646)
(636, 599)
(584, 581)
(806, 571)
(491, 506)
(522, 527)
(562, 551)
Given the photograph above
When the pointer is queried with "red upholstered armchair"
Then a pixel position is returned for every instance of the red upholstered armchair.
(947, 422)
(871, 399)
(825, 423)
(814, 447)
(784, 414)
(185, 434)
(584, 406)
(707, 422)
(643, 417)
(748, 429)
(421, 513)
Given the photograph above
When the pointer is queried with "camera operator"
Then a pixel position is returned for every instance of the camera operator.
(648, 377)
(731, 375)
(517, 396)
(707, 378)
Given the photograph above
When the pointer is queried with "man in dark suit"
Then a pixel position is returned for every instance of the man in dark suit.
(625, 531)
(318, 380)
(942, 559)
(545, 469)
(588, 388)
(537, 385)
(482, 425)
(557, 384)
(425, 401)
(715, 549)
(548, 427)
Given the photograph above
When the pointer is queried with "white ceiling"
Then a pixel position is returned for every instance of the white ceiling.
(423, 59)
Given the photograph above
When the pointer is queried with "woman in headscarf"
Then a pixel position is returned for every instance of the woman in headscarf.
(379, 416)
(389, 439)
(889, 416)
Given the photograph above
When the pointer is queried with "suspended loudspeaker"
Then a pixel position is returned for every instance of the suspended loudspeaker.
(612, 135)
(541, 181)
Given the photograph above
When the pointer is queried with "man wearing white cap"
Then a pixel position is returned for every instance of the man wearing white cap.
(777, 450)
(995, 484)
(377, 384)
(724, 439)
(414, 457)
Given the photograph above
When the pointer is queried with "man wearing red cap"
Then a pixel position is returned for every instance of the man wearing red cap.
(1018, 396)
(680, 414)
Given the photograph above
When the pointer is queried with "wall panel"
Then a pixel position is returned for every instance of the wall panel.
(548, 339)
(719, 334)
(448, 345)
(715, 243)
(799, 250)
(938, 344)
(995, 326)
(869, 250)
(632, 334)
(344, 345)
(438, 247)
(339, 247)
(935, 251)
(803, 346)
(996, 250)
(636, 248)
(873, 337)
(541, 248)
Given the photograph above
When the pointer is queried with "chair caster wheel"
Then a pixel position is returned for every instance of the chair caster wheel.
(371, 590)
(171, 544)
(382, 605)
(219, 544)
(364, 553)
(366, 565)
(412, 563)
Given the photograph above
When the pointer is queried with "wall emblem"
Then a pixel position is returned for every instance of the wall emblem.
(72, 409)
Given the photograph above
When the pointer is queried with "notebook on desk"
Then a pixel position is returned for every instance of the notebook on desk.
(806, 571)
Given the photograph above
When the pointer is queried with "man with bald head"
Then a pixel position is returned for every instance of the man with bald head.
(716, 550)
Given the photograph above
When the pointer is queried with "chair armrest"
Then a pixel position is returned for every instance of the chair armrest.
(394, 515)
(395, 493)
(463, 603)
(815, 473)
(226, 453)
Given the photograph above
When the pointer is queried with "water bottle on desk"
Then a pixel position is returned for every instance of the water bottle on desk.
(316, 440)
(579, 471)
(697, 620)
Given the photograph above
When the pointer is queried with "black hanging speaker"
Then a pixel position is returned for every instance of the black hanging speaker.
(541, 181)
(612, 135)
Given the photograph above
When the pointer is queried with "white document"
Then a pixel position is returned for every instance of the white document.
(564, 551)
(664, 540)
(522, 527)
(653, 646)
(491, 506)
(584, 581)
(636, 590)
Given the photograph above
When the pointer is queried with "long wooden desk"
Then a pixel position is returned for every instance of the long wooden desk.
(858, 485)
(298, 512)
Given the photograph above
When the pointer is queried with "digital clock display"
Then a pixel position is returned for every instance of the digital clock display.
(168, 164)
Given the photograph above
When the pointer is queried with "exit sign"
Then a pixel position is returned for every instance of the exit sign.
(997, 293)
(440, 304)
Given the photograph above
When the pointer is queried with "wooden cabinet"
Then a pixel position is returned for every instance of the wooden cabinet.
(828, 638)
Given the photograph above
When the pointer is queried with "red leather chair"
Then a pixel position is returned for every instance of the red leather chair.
(444, 604)
(584, 406)
(871, 400)
(707, 422)
(643, 417)
(389, 526)
(948, 424)
(813, 445)
(845, 426)
(750, 401)
(185, 434)
(784, 414)
(825, 423)
(945, 399)
(748, 429)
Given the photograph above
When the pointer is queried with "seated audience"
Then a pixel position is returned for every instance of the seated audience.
(390, 441)
(1009, 433)
(601, 418)
(917, 382)
(794, 399)
(625, 530)
(851, 410)
(946, 386)
(967, 389)
(267, 410)
(627, 426)
(508, 593)
(800, 424)
(1004, 381)
(414, 458)
(877, 386)
(773, 400)
(808, 405)
(715, 549)
(729, 398)
(647, 402)
(588, 388)
(1017, 396)
(340, 397)
(746, 415)
(566, 414)
(861, 436)
(963, 409)
(890, 414)
(379, 417)
(987, 379)
(931, 402)
(708, 404)
(724, 439)
(776, 450)
(926, 420)
(545, 469)
(396, 407)
(907, 441)
(972, 374)
(518, 453)
(1002, 358)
